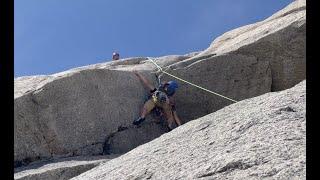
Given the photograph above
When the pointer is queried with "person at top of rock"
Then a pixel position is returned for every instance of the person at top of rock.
(161, 97)
(115, 56)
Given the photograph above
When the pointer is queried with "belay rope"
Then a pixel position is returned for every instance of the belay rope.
(189, 82)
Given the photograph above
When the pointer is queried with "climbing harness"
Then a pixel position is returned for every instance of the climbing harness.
(188, 81)
(159, 96)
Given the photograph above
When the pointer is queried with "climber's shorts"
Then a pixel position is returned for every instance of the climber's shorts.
(150, 104)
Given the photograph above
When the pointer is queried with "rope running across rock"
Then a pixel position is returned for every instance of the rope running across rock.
(189, 82)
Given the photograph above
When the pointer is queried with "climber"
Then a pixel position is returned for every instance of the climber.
(115, 56)
(160, 97)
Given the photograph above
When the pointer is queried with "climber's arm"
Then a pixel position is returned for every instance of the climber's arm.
(144, 80)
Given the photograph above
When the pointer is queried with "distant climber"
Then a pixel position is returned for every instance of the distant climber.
(161, 97)
(115, 56)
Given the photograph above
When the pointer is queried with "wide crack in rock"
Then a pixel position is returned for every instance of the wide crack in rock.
(248, 139)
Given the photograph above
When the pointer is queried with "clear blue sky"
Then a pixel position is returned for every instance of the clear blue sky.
(55, 35)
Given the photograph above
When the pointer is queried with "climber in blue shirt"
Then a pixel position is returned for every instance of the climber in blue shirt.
(161, 97)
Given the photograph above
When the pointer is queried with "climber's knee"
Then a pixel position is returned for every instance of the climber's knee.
(147, 107)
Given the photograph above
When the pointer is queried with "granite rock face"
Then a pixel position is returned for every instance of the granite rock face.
(261, 137)
(89, 110)
(279, 40)
(232, 75)
(75, 114)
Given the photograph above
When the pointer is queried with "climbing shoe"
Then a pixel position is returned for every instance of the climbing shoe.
(138, 121)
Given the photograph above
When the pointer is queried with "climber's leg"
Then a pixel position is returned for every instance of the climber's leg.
(147, 107)
(169, 115)
(176, 118)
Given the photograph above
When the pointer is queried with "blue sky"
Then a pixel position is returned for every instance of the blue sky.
(55, 35)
